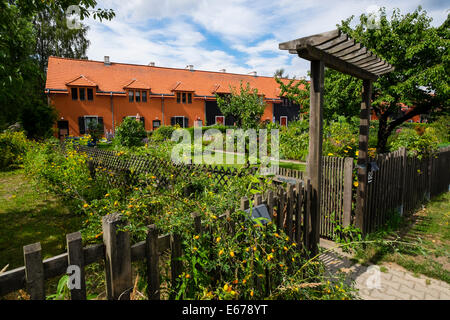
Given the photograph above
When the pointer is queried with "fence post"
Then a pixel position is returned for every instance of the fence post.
(34, 271)
(76, 258)
(176, 265)
(117, 258)
(404, 156)
(348, 186)
(153, 286)
(197, 222)
(245, 203)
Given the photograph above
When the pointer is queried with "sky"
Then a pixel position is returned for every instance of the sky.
(236, 35)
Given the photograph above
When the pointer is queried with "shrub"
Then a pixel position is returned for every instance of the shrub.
(417, 144)
(162, 133)
(340, 139)
(294, 141)
(13, 146)
(130, 133)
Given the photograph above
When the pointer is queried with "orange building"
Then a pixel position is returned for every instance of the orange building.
(105, 92)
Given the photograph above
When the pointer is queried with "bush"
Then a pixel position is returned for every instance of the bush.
(130, 133)
(162, 133)
(418, 143)
(13, 146)
(294, 141)
(340, 139)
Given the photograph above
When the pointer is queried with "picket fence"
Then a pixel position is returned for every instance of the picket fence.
(289, 208)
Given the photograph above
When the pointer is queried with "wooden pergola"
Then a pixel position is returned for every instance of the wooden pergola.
(334, 49)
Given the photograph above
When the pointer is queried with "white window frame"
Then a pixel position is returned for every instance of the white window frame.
(223, 123)
(86, 123)
(180, 117)
(281, 117)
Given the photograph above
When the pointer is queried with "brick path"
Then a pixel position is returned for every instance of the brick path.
(390, 282)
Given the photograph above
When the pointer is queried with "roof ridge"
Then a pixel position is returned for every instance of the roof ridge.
(160, 67)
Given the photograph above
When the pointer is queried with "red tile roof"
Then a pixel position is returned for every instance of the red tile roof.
(81, 81)
(161, 80)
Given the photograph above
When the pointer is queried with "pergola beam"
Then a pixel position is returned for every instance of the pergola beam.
(311, 53)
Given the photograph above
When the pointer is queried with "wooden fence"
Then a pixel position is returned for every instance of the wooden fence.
(336, 193)
(131, 165)
(402, 183)
(288, 208)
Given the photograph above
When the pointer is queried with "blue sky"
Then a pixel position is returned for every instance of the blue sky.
(236, 35)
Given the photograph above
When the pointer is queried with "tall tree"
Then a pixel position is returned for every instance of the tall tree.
(55, 38)
(420, 55)
(21, 76)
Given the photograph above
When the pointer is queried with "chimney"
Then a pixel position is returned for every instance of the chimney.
(151, 64)
(190, 67)
(223, 70)
(253, 73)
(106, 60)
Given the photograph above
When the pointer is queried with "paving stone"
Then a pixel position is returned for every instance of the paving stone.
(412, 292)
(403, 281)
(398, 294)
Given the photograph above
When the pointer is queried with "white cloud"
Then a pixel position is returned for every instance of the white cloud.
(246, 34)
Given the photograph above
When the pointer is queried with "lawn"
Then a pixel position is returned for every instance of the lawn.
(28, 216)
(425, 237)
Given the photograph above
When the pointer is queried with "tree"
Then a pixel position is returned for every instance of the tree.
(296, 91)
(279, 73)
(131, 133)
(246, 106)
(55, 38)
(420, 55)
(22, 97)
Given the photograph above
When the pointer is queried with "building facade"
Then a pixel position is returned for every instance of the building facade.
(86, 92)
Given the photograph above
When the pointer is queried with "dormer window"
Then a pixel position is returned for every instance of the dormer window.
(137, 96)
(184, 97)
(90, 94)
(80, 94)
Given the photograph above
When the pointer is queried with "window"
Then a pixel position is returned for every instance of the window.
(138, 96)
(144, 96)
(90, 122)
(184, 97)
(90, 94)
(82, 94)
(156, 124)
(130, 96)
(74, 94)
(182, 121)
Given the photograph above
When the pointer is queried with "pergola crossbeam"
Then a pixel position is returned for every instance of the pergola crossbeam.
(338, 51)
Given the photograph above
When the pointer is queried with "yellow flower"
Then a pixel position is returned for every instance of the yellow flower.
(218, 239)
(232, 254)
(355, 183)
(269, 257)
(285, 248)
(196, 237)
(254, 248)
(188, 276)
(214, 217)
(251, 293)
(116, 203)
(195, 249)
(220, 252)
(330, 154)
(107, 195)
(357, 153)
(85, 205)
(276, 235)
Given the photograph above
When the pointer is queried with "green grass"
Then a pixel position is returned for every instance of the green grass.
(426, 238)
(28, 216)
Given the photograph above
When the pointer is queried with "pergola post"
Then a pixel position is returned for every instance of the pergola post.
(361, 199)
(314, 167)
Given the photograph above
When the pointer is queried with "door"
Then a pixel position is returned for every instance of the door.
(283, 121)
(63, 129)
